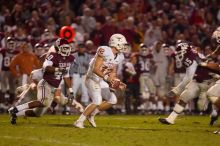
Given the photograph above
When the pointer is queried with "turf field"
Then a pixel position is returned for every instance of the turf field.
(51, 130)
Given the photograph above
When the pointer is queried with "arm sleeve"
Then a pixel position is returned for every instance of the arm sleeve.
(190, 71)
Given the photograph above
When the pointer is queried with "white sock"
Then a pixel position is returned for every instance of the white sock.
(167, 108)
(214, 113)
(176, 111)
(82, 118)
(95, 112)
(22, 107)
(160, 105)
(21, 113)
(172, 117)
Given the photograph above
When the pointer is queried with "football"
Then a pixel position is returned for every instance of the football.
(114, 84)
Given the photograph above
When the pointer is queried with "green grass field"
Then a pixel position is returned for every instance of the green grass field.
(51, 130)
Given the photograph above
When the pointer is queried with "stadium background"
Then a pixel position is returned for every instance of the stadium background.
(140, 21)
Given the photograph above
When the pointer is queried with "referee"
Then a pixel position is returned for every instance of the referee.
(78, 72)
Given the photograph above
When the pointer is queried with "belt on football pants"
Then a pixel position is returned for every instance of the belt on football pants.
(80, 75)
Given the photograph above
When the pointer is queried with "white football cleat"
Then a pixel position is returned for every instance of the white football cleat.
(91, 121)
(78, 124)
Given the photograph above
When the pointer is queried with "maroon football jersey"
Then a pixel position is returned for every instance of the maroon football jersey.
(201, 73)
(7, 57)
(60, 62)
(143, 63)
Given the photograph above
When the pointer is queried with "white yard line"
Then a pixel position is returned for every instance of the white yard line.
(52, 141)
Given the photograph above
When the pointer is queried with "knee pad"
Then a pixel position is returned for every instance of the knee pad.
(187, 95)
(112, 99)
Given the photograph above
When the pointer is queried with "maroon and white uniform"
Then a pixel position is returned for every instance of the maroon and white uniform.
(179, 70)
(7, 80)
(145, 63)
(51, 81)
(196, 81)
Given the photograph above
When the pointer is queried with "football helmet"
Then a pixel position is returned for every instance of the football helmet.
(181, 48)
(216, 35)
(63, 47)
(144, 50)
(38, 48)
(11, 43)
(119, 42)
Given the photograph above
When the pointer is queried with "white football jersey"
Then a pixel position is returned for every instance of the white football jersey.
(110, 61)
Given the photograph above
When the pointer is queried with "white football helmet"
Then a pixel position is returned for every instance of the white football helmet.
(119, 42)
(63, 47)
(216, 35)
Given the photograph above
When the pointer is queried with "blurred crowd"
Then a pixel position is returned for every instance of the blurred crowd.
(152, 27)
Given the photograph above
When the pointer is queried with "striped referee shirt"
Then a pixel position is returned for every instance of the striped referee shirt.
(81, 63)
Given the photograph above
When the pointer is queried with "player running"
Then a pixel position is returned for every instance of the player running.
(55, 68)
(103, 67)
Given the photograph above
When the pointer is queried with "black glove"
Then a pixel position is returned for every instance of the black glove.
(171, 94)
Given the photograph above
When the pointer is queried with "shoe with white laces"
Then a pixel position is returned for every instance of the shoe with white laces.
(91, 121)
(78, 124)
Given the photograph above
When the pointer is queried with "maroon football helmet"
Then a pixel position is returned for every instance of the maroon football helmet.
(63, 47)
(11, 43)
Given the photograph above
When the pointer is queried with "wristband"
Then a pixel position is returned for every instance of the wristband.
(106, 78)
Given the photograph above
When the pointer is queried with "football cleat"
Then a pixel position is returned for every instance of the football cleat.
(213, 120)
(164, 121)
(78, 124)
(12, 111)
(13, 119)
(216, 132)
(91, 121)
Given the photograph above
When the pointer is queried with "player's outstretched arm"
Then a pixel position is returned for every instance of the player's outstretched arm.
(212, 66)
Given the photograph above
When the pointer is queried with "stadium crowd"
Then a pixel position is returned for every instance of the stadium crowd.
(151, 27)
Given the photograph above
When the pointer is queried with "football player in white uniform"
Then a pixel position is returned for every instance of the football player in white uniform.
(103, 67)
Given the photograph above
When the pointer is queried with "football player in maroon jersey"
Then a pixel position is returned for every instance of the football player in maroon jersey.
(195, 83)
(8, 83)
(55, 68)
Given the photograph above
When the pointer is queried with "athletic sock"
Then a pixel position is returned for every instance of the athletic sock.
(21, 113)
(176, 111)
(82, 118)
(22, 107)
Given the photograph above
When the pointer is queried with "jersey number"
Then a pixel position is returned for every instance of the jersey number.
(188, 62)
(7, 61)
(144, 66)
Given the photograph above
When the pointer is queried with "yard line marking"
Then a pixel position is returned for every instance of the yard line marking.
(47, 140)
